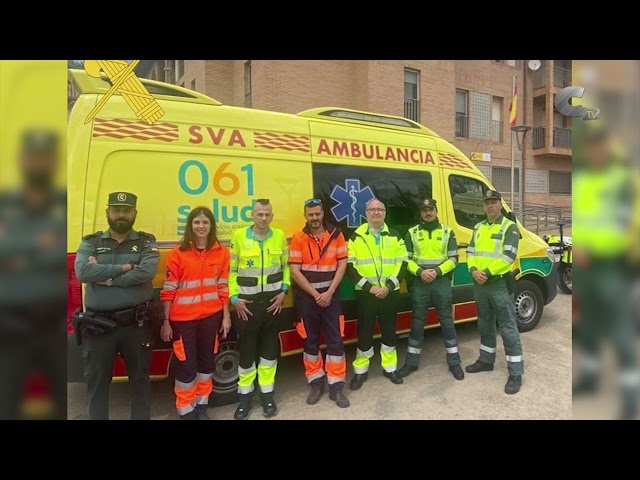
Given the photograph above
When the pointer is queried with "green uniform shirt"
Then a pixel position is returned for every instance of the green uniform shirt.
(127, 289)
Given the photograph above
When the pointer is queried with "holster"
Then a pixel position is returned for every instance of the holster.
(90, 323)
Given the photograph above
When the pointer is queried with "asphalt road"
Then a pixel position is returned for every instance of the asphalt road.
(429, 393)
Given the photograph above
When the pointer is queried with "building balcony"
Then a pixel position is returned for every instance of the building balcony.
(560, 78)
(555, 142)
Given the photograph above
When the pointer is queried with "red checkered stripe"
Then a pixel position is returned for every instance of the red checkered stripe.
(140, 130)
(451, 160)
(276, 141)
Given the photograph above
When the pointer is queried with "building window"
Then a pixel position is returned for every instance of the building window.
(462, 118)
(193, 84)
(344, 188)
(501, 179)
(411, 99)
(467, 197)
(248, 102)
(496, 119)
(485, 117)
(480, 115)
(179, 70)
(560, 183)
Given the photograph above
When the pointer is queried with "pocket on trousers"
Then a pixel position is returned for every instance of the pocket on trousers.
(178, 349)
(300, 329)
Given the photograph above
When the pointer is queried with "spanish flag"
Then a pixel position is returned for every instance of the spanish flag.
(513, 108)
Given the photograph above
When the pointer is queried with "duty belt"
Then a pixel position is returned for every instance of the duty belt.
(126, 316)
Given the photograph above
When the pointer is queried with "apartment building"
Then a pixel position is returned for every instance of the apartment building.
(467, 102)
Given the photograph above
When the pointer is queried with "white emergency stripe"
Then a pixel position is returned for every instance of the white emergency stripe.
(487, 349)
(471, 251)
(313, 358)
(514, 358)
(335, 359)
(203, 377)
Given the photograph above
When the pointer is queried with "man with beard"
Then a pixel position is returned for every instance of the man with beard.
(118, 267)
(318, 260)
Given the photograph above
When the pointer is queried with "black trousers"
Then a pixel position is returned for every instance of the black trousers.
(371, 309)
(259, 334)
(99, 354)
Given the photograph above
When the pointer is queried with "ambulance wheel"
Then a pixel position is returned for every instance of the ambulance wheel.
(529, 305)
(565, 281)
(225, 375)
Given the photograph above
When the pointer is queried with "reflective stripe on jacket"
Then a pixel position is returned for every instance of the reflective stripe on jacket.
(196, 282)
(254, 269)
(372, 262)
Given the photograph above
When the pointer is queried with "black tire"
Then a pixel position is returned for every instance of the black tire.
(565, 278)
(529, 305)
(225, 375)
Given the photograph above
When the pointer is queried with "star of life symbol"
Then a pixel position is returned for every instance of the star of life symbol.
(249, 263)
(352, 202)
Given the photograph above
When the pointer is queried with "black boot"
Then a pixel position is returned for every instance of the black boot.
(407, 370)
(357, 380)
(339, 398)
(201, 412)
(456, 371)
(394, 377)
(242, 412)
(189, 416)
(479, 367)
(317, 389)
(269, 407)
(513, 384)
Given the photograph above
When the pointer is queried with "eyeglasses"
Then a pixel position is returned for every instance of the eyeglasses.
(313, 201)
(376, 210)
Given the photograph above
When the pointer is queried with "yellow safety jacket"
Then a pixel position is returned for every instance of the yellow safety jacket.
(493, 247)
(372, 260)
(435, 249)
(258, 266)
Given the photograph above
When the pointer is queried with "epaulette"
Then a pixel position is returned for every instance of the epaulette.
(91, 235)
(153, 238)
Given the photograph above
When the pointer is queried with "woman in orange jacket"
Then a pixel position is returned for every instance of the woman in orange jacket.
(195, 296)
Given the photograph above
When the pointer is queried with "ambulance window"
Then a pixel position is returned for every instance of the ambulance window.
(344, 191)
(467, 196)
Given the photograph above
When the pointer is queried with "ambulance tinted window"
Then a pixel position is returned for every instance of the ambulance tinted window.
(467, 195)
(345, 190)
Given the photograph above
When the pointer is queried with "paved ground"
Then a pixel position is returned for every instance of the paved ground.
(429, 393)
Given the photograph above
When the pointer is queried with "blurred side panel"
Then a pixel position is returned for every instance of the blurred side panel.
(606, 241)
(33, 113)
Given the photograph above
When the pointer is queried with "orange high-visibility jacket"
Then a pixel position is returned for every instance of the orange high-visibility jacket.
(196, 282)
(318, 258)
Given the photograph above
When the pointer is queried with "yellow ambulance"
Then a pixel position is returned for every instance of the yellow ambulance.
(203, 153)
